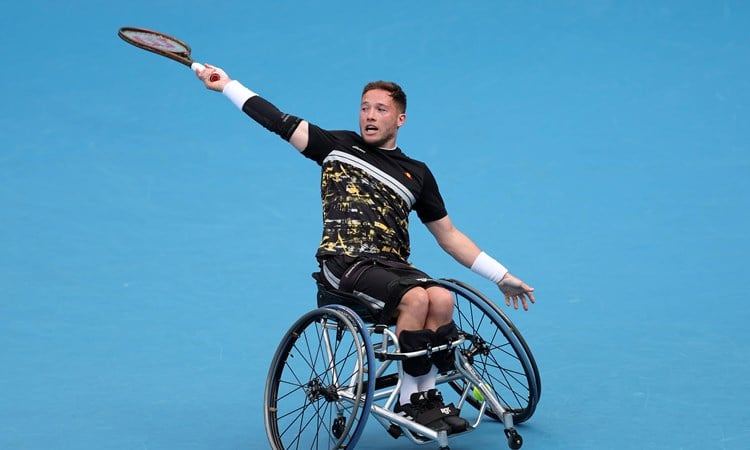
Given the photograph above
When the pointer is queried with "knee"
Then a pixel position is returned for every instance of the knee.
(415, 302)
(441, 302)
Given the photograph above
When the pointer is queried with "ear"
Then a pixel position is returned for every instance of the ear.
(401, 119)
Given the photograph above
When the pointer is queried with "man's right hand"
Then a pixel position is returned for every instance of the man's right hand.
(217, 85)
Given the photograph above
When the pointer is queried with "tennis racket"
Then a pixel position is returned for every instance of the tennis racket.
(164, 45)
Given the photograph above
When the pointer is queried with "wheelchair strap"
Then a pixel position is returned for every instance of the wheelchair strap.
(352, 275)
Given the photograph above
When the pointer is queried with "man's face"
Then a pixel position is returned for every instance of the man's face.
(379, 119)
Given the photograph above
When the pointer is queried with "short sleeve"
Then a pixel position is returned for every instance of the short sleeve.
(430, 206)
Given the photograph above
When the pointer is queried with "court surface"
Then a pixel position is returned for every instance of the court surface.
(155, 243)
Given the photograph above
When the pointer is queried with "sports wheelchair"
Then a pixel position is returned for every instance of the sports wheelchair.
(336, 366)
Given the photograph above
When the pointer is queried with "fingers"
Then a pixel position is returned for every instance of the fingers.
(528, 292)
(524, 297)
(203, 74)
(212, 74)
(516, 291)
(514, 298)
(213, 78)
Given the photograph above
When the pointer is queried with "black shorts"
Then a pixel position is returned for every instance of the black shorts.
(385, 280)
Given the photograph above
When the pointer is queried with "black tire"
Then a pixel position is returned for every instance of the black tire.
(318, 395)
(498, 352)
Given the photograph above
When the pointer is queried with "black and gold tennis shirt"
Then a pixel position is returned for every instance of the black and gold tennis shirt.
(367, 194)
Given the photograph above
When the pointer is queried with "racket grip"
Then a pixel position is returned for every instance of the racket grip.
(198, 67)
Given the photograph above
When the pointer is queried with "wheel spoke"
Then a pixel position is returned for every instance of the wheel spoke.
(497, 355)
(314, 392)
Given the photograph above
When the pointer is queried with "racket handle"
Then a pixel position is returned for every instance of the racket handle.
(198, 67)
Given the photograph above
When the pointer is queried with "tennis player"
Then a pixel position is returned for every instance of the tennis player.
(369, 186)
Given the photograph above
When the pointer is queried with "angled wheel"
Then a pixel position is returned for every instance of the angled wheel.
(497, 352)
(319, 386)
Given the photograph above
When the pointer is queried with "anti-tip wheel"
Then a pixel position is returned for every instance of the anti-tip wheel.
(515, 441)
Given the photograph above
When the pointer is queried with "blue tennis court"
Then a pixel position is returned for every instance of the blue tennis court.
(156, 243)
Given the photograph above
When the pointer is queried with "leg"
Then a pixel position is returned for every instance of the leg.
(421, 312)
(431, 307)
(427, 315)
(415, 312)
(424, 309)
(441, 308)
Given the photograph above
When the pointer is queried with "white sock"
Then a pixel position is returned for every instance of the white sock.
(427, 381)
(409, 385)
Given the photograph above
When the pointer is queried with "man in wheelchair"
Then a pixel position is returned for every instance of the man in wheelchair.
(368, 189)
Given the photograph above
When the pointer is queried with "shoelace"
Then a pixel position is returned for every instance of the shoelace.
(434, 400)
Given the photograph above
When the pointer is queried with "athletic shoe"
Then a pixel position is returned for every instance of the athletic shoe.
(419, 411)
(434, 401)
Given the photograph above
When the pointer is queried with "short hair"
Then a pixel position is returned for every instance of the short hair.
(397, 94)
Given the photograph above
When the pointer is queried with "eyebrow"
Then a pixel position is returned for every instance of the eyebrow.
(375, 104)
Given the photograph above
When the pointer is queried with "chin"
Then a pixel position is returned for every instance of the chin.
(374, 141)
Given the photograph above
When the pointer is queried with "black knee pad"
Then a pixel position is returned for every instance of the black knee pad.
(444, 360)
(412, 341)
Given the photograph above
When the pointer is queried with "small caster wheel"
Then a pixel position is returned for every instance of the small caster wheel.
(338, 427)
(395, 431)
(515, 441)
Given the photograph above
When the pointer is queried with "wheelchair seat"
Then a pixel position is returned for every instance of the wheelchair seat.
(369, 309)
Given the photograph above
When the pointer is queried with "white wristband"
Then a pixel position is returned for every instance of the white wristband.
(237, 93)
(488, 267)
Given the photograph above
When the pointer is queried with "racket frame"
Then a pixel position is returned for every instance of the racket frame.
(181, 56)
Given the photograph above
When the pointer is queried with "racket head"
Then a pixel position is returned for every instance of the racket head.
(157, 42)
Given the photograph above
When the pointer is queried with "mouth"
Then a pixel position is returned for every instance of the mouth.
(371, 128)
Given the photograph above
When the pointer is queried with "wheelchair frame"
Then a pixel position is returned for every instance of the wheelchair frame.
(332, 371)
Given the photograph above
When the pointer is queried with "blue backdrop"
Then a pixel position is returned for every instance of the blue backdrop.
(155, 243)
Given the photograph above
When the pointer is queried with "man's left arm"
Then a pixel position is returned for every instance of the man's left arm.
(466, 252)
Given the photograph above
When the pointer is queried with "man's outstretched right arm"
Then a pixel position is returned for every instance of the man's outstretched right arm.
(291, 128)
